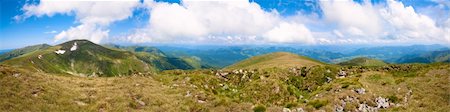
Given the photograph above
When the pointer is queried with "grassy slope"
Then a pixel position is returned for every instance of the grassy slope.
(88, 59)
(22, 51)
(363, 61)
(157, 58)
(273, 88)
(278, 59)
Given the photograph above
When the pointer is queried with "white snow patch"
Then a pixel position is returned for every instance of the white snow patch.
(74, 47)
(60, 51)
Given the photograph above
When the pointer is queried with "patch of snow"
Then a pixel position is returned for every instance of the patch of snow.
(60, 51)
(74, 47)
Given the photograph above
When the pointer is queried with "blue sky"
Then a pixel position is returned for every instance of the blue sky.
(304, 22)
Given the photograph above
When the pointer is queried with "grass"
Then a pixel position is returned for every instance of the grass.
(278, 59)
(269, 89)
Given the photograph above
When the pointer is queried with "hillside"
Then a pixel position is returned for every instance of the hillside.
(363, 61)
(160, 60)
(428, 57)
(18, 52)
(277, 59)
(81, 58)
(222, 56)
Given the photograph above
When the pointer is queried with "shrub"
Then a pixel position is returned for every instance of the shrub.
(318, 103)
(259, 108)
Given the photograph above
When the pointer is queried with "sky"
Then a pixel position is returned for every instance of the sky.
(225, 22)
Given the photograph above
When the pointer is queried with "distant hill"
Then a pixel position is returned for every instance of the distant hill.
(21, 51)
(428, 57)
(277, 59)
(160, 60)
(392, 54)
(363, 61)
(227, 55)
(82, 58)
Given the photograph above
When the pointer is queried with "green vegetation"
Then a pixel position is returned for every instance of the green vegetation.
(39, 81)
(363, 61)
(88, 60)
(278, 59)
(22, 51)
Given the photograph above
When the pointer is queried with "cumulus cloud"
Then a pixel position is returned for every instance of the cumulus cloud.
(240, 21)
(93, 16)
(353, 19)
(394, 22)
(411, 25)
(289, 33)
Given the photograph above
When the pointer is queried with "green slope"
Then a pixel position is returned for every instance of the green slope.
(277, 59)
(22, 51)
(363, 61)
(88, 59)
(160, 60)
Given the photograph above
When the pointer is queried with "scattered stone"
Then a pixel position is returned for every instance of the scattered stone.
(338, 108)
(80, 103)
(286, 110)
(39, 56)
(298, 110)
(360, 91)
(188, 94)
(16, 75)
(342, 74)
(142, 103)
(329, 79)
(382, 102)
(201, 101)
(366, 108)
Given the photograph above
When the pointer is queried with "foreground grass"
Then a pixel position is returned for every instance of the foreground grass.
(270, 89)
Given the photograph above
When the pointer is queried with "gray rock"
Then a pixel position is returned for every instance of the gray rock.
(360, 91)
(382, 102)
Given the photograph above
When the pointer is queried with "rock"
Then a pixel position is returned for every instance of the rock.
(201, 101)
(329, 79)
(342, 74)
(407, 96)
(80, 103)
(298, 110)
(382, 102)
(360, 91)
(338, 108)
(142, 103)
(286, 110)
(188, 94)
(39, 56)
(366, 108)
(16, 75)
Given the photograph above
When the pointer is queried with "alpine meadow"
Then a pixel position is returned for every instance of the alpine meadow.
(225, 56)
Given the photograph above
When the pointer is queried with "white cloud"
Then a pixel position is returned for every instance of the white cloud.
(236, 21)
(94, 16)
(408, 24)
(289, 33)
(353, 19)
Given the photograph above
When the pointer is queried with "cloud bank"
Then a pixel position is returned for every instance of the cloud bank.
(244, 22)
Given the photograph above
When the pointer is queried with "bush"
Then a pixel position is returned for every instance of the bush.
(393, 98)
(318, 103)
(259, 108)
